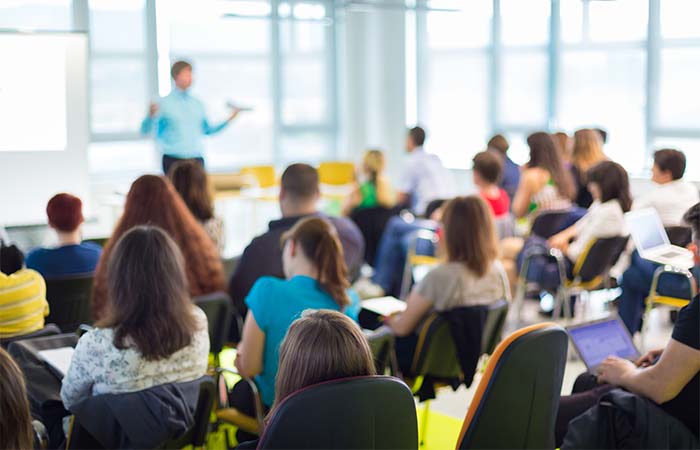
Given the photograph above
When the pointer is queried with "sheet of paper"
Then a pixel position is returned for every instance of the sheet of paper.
(384, 306)
(58, 358)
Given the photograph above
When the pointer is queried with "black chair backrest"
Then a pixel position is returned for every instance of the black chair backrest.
(518, 407)
(371, 222)
(219, 310)
(49, 330)
(602, 255)
(549, 223)
(197, 434)
(69, 301)
(493, 328)
(345, 413)
(679, 235)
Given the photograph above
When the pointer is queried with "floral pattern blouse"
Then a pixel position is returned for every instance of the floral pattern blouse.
(98, 367)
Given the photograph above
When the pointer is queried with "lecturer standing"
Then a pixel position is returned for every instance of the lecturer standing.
(180, 122)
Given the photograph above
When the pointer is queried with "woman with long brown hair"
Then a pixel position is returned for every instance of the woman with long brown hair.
(15, 419)
(150, 332)
(152, 200)
(190, 181)
(472, 274)
(316, 278)
(587, 152)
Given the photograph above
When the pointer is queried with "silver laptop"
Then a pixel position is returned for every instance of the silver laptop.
(652, 242)
(596, 340)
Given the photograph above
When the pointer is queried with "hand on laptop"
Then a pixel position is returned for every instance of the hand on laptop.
(649, 358)
(613, 370)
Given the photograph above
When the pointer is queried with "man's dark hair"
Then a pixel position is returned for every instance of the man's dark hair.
(417, 136)
(300, 182)
(489, 166)
(11, 259)
(692, 218)
(178, 67)
(498, 142)
(669, 159)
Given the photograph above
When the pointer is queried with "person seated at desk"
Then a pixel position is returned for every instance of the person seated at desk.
(22, 295)
(298, 199)
(71, 257)
(151, 333)
(15, 419)
(190, 181)
(152, 200)
(673, 382)
(471, 276)
(316, 278)
(374, 189)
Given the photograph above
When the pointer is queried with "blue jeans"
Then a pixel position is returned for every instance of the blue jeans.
(392, 249)
(636, 283)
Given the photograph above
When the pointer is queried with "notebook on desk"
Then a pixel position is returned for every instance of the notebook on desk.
(57, 359)
(384, 306)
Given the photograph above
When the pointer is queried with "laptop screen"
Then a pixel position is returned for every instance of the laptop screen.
(646, 229)
(598, 340)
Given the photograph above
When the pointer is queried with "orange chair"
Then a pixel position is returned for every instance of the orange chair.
(516, 402)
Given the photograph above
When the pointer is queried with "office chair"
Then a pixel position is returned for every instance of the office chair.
(218, 307)
(69, 299)
(516, 402)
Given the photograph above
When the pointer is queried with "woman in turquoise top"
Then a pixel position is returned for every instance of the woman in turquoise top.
(316, 278)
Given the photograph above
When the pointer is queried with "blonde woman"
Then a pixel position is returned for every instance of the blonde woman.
(587, 152)
(373, 189)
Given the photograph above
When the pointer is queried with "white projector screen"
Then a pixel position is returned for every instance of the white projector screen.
(43, 122)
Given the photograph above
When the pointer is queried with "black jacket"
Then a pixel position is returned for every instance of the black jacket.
(143, 419)
(625, 420)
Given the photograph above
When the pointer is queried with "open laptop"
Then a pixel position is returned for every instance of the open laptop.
(652, 242)
(596, 340)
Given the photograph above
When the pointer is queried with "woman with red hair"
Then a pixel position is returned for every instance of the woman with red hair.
(152, 200)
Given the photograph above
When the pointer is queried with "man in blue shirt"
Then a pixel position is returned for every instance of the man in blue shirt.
(179, 120)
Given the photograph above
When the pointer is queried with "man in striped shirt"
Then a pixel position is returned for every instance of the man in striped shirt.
(23, 303)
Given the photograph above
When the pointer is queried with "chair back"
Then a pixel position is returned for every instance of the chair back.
(493, 328)
(371, 222)
(436, 352)
(336, 173)
(345, 413)
(49, 330)
(679, 235)
(598, 257)
(264, 175)
(516, 402)
(549, 223)
(218, 308)
(196, 435)
(69, 301)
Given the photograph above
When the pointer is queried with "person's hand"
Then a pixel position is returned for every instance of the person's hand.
(559, 241)
(613, 370)
(648, 358)
(153, 109)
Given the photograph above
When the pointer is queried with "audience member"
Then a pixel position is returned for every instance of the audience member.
(316, 278)
(423, 177)
(15, 420)
(298, 198)
(511, 171)
(564, 145)
(670, 197)
(472, 274)
(486, 172)
(190, 181)
(609, 184)
(587, 152)
(150, 333)
(71, 256)
(152, 200)
(22, 295)
(672, 382)
(374, 188)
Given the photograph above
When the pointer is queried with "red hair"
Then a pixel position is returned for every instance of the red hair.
(152, 200)
(65, 212)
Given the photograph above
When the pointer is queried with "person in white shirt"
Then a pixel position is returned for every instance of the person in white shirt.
(671, 196)
(423, 178)
(608, 183)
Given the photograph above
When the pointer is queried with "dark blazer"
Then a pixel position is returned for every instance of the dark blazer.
(263, 256)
